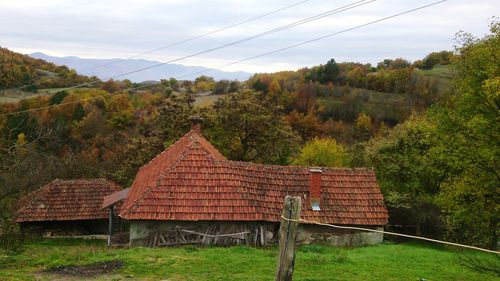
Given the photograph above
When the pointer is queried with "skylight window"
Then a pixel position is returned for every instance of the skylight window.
(315, 206)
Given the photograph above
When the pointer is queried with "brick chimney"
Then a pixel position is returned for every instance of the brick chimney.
(196, 121)
(315, 188)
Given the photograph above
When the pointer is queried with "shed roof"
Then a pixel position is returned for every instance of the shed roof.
(115, 197)
(192, 181)
(78, 199)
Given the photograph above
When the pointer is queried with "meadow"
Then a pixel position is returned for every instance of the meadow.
(406, 261)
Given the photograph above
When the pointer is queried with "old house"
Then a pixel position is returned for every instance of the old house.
(67, 207)
(190, 193)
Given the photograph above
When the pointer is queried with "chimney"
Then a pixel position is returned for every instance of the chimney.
(315, 188)
(196, 121)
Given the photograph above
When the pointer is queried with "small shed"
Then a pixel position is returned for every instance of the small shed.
(67, 207)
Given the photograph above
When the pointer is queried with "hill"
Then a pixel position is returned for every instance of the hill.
(17, 69)
(116, 66)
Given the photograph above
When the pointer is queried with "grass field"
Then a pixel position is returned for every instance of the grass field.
(443, 73)
(440, 71)
(313, 262)
(8, 96)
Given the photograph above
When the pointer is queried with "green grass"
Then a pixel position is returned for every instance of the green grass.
(205, 101)
(12, 96)
(440, 71)
(443, 73)
(313, 262)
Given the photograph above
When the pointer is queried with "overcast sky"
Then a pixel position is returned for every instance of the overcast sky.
(123, 28)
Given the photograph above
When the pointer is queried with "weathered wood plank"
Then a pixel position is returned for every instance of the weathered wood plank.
(287, 238)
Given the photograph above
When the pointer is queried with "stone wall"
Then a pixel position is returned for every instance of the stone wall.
(257, 233)
(146, 233)
(338, 237)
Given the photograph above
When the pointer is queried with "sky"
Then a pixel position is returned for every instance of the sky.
(125, 28)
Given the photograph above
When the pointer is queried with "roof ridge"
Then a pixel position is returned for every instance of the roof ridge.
(167, 149)
(202, 145)
(289, 167)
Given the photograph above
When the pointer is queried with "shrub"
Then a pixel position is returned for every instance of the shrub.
(11, 238)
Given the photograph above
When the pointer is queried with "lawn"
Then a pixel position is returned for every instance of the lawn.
(313, 262)
(443, 73)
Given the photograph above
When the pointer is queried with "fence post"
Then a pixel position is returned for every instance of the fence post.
(110, 225)
(287, 237)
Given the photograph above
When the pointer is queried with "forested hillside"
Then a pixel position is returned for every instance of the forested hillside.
(20, 70)
(429, 128)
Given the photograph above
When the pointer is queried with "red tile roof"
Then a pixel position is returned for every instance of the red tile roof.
(192, 181)
(79, 199)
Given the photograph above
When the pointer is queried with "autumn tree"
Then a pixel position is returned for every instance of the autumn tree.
(204, 83)
(324, 152)
(121, 111)
(363, 126)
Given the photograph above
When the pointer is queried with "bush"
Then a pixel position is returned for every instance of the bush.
(11, 238)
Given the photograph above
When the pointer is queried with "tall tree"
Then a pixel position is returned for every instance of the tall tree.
(249, 126)
(470, 127)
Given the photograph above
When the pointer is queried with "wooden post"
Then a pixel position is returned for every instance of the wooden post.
(287, 237)
(110, 225)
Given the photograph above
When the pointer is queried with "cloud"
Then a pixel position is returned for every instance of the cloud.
(121, 28)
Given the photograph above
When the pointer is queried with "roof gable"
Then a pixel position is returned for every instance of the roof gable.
(150, 173)
(79, 199)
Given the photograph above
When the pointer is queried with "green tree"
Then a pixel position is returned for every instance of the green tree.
(173, 119)
(174, 84)
(249, 126)
(79, 113)
(58, 97)
(330, 72)
(469, 125)
(434, 58)
(410, 173)
(325, 152)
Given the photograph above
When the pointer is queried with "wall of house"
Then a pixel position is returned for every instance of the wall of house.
(166, 233)
(308, 234)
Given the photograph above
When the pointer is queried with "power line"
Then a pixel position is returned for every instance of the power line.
(278, 29)
(297, 23)
(394, 234)
(213, 32)
(253, 57)
(178, 42)
(315, 39)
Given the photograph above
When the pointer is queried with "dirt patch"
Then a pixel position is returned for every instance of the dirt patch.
(94, 269)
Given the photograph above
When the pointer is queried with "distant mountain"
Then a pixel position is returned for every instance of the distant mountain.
(90, 67)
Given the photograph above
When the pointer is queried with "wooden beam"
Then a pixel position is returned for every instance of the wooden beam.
(110, 225)
(287, 237)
